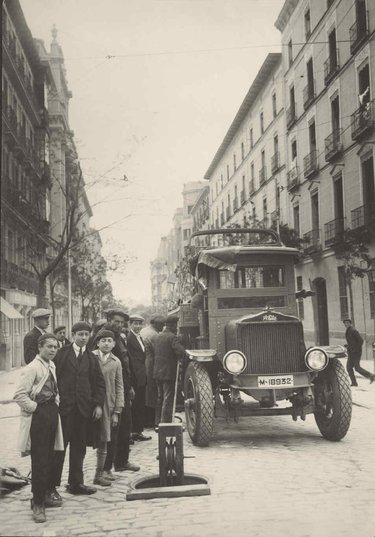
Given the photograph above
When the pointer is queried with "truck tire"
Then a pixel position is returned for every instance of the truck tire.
(199, 405)
(333, 401)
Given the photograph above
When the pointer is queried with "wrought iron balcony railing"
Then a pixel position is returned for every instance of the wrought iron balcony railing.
(363, 216)
(308, 93)
(331, 67)
(313, 243)
(363, 120)
(293, 179)
(358, 33)
(333, 231)
(333, 145)
(275, 162)
(310, 164)
(262, 175)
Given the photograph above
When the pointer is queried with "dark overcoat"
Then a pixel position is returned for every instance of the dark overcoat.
(355, 342)
(30, 344)
(80, 385)
(168, 350)
(137, 358)
(148, 334)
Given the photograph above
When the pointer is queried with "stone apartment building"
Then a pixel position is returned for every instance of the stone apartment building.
(328, 67)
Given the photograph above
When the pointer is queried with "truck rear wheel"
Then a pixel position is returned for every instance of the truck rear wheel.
(333, 401)
(199, 406)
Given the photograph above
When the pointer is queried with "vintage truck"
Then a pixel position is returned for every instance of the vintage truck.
(247, 355)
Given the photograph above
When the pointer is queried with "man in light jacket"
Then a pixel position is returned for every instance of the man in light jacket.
(40, 431)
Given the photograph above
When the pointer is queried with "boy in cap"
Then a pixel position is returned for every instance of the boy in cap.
(114, 402)
(30, 343)
(137, 358)
(60, 332)
(168, 351)
(82, 393)
(40, 431)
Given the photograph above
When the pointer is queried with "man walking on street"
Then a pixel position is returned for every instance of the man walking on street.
(148, 335)
(116, 321)
(82, 393)
(137, 358)
(168, 351)
(354, 345)
(30, 343)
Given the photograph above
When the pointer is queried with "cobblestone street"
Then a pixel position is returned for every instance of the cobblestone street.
(268, 477)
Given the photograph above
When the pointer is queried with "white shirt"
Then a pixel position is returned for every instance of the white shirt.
(103, 357)
(77, 349)
(139, 340)
(40, 329)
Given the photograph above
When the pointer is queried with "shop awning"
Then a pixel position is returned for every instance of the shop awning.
(8, 310)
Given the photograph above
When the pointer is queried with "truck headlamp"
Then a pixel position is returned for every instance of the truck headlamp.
(316, 359)
(234, 362)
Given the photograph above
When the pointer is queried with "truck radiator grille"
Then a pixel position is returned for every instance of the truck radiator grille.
(272, 348)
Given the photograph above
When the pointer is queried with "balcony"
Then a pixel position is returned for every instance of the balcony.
(309, 93)
(17, 277)
(11, 130)
(235, 205)
(333, 231)
(242, 197)
(331, 67)
(275, 162)
(293, 181)
(363, 216)
(310, 164)
(363, 120)
(358, 33)
(333, 145)
(312, 238)
(262, 175)
(291, 117)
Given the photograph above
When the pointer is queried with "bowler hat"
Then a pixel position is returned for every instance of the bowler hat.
(40, 312)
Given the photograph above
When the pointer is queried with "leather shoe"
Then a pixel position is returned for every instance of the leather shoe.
(129, 466)
(140, 437)
(80, 489)
(39, 514)
(53, 499)
(372, 378)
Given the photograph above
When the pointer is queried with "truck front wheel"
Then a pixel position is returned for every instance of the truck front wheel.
(199, 405)
(333, 401)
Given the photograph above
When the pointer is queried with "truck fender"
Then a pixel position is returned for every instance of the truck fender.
(201, 355)
(334, 351)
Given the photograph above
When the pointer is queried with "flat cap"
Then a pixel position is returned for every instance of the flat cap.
(81, 326)
(40, 312)
(157, 319)
(172, 319)
(136, 317)
(101, 322)
(45, 336)
(104, 334)
(58, 328)
(117, 311)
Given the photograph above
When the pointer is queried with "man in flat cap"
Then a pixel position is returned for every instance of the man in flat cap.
(168, 351)
(82, 394)
(60, 333)
(30, 343)
(148, 334)
(116, 322)
(137, 357)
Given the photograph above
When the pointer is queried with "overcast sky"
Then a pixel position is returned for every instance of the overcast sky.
(156, 84)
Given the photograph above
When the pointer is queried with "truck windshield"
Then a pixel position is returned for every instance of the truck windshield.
(253, 277)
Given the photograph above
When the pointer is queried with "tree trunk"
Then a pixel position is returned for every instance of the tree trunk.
(53, 307)
(41, 300)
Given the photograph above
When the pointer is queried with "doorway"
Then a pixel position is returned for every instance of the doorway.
(321, 312)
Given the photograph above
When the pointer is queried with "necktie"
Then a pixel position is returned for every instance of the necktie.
(79, 357)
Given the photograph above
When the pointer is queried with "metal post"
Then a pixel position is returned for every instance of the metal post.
(70, 323)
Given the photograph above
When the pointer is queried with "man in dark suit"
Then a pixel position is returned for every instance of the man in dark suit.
(354, 346)
(82, 393)
(60, 332)
(30, 343)
(168, 351)
(137, 358)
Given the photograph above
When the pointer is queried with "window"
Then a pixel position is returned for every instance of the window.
(335, 114)
(10, 246)
(332, 47)
(307, 24)
(343, 293)
(338, 198)
(274, 105)
(246, 302)
(310, 79)
(222, 181)
(315, 212)
(371, 286)
(292, 102)
(254, 277)
(242, 151)
(234, 162)
(300, 304)
(227, 172)
(186, 233)
(251, 139)
(265, 213)
(189, 208)
(294, 149)
(275, 144)
(261, 122)
(296, 221)
(252, 172)
(290, 52)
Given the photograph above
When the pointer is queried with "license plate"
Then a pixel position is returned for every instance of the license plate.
(276, 381)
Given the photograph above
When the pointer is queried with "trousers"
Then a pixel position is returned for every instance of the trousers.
(164, 403)
(138, 409)
(352, 364)
(122, 444)
(42, 435)
(74, 427)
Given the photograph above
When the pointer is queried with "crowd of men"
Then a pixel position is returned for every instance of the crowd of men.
(102, 389)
